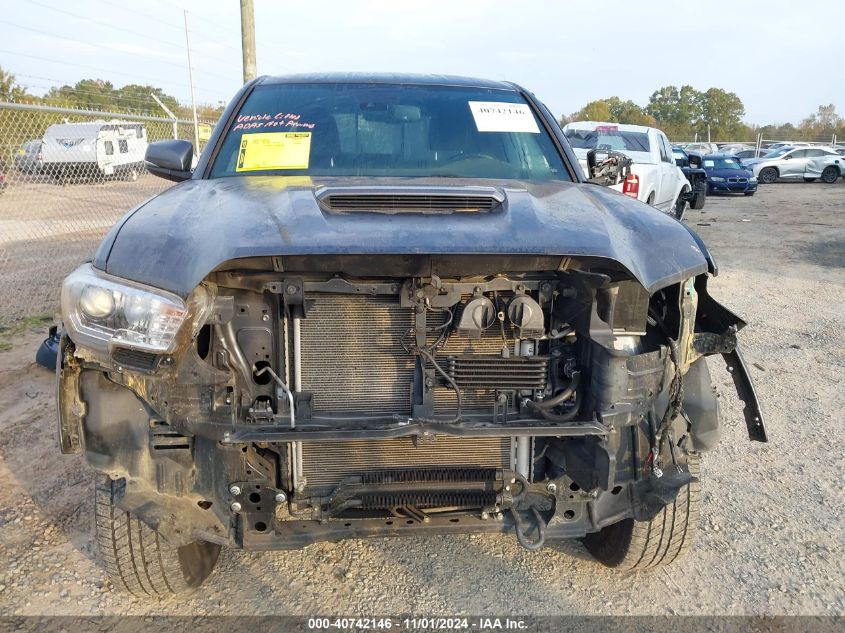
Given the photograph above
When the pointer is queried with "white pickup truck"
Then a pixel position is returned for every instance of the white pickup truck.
(656, 179)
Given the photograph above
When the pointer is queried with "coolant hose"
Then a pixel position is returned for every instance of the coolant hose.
(520, 535)
(559, 398)
(563, 417)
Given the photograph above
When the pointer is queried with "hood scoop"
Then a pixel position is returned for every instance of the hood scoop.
(412, 199)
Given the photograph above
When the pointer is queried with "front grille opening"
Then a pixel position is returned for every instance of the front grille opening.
(135, 359)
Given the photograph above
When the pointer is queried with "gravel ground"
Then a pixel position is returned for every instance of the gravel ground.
(46, 229)
(772, 527)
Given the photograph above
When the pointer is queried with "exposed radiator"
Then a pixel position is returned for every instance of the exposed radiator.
(325, 464)
(352, 356)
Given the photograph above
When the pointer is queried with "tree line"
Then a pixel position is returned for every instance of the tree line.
(686, 113)
(96, 94)
(682, 112)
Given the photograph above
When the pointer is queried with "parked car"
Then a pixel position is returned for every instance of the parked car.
(29, 159)
(782, 144)
(85, 151)
(690, 164)
(794, 163)
(398, 312)
(839, 150)
(658, 180)
(701, 148)
(727, 174)
(750, 153)
(731, 148)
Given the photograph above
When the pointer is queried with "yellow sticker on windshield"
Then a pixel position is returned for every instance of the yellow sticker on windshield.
(274, 150)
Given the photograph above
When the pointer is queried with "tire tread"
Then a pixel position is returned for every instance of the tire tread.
(657, 542)
(135, 557)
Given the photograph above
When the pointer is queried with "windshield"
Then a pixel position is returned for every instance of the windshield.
(387, 130)
(608, 137)
(722, 163)
(778, 152)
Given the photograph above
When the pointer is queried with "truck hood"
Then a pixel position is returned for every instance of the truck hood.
(175, 239)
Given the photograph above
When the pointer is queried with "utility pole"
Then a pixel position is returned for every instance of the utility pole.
(248, 39)
(193, 91)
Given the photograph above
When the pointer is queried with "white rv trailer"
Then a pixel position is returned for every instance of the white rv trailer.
(94, 150)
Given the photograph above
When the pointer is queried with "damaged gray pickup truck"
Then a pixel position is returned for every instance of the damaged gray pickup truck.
(386, 306)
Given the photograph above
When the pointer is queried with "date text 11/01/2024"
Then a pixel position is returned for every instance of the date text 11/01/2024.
(418, 624)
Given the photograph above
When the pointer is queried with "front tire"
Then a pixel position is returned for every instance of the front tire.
(680, 205)
(699, 198)
(768, 175)
(830, 175)
(136, 557)
(631, 545)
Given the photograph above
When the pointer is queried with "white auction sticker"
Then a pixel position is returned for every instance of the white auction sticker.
(498, 116)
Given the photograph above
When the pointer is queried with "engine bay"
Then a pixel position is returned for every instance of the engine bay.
(363, 401)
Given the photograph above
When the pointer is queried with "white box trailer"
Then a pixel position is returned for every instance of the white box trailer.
(94, 150)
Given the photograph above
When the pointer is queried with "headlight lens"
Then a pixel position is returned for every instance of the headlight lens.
(101, 311)
(717, 179)
(96, 302)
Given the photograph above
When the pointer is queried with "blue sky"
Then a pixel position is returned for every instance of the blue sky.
(782, 58)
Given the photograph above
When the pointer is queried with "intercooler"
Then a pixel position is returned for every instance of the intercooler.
(353, 361)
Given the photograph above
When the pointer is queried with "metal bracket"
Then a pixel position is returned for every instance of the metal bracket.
(746, 392)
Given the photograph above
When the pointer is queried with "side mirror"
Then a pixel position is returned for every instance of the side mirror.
(787, 157)
(170, 160)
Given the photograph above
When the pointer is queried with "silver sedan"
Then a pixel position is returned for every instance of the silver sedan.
(794, 163)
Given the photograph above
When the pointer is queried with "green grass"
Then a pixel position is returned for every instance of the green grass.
(8, 333)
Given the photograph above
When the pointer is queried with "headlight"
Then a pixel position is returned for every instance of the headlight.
(101, 311)
(752, 179)
(717, 179)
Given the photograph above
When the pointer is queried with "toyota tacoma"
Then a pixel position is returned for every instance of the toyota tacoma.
(388, 305)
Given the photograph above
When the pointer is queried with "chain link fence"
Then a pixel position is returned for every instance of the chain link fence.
(66, 176)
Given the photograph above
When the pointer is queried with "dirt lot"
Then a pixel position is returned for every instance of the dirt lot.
(773, 523)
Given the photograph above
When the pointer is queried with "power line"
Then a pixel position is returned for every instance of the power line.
(225, 29)
(125, 30)
(143, 15)
(107, 48)
(199, 16)
(106, 24)
(154, 81)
